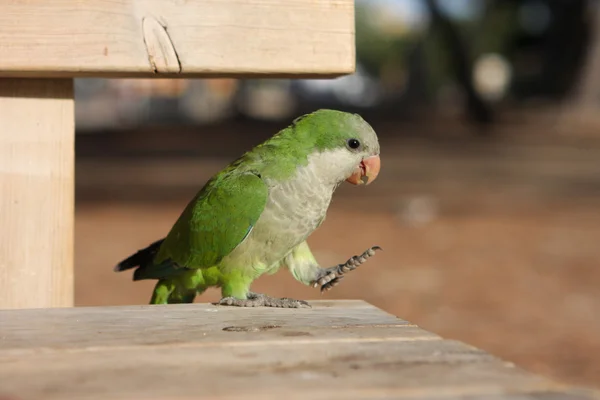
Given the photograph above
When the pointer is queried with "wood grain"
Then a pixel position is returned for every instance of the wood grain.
(336, 350)
(176, 38)
(53, 330)
(36, 185)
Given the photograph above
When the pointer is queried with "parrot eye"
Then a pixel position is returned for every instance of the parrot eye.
(353, 143)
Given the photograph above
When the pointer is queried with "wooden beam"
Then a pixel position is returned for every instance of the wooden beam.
(207, 38)
(37, 136)
(336, 350)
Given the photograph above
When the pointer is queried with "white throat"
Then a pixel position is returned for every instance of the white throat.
(328, 168)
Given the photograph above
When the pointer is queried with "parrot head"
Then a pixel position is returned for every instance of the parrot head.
(346, 145)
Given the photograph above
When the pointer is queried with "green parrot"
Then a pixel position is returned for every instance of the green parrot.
(254, 216)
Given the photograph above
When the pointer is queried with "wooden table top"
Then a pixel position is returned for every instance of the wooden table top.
(336, 350)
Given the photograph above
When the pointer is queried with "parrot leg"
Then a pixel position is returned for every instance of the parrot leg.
(327, 278)
(162, 291)
(262, 300)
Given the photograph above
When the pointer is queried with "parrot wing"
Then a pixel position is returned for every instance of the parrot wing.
(213, 224)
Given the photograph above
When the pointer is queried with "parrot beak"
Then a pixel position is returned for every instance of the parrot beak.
(366, 172)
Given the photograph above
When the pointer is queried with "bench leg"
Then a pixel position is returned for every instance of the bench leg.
(37, 138)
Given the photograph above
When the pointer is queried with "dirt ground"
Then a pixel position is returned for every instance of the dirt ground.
(492, 242)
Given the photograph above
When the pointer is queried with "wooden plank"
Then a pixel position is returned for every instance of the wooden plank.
(36, 184)
(176, 38)
(336, 350)
(52, 330)
(331, 370)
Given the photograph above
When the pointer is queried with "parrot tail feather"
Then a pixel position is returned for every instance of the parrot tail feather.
(141, 258)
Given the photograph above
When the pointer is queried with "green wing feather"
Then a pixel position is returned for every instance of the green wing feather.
(212, 225)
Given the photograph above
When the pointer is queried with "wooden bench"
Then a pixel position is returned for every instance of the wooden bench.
(61, 39)
(336, 350)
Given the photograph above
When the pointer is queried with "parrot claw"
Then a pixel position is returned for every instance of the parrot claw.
(262, 300)
(331, 277)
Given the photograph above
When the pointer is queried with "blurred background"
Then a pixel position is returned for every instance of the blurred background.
(487, 205)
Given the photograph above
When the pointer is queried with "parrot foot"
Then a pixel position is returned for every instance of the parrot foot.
(262, 300)
(330, 277)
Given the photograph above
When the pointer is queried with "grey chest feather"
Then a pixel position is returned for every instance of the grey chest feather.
(295, 208)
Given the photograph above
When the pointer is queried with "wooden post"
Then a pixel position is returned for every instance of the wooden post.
(37, 137)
